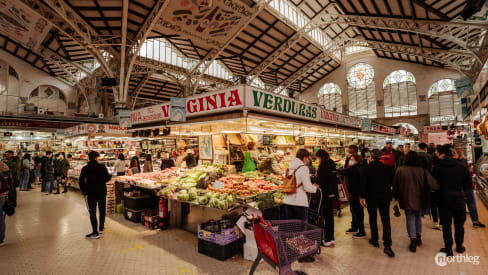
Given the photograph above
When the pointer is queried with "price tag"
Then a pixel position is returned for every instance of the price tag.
(218, 184)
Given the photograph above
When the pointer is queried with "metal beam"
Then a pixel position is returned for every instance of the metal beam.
(61, 23)
(140, 38)
(287, 82)
(138, 89)
(119, 98)
(259, 7)
(454, 31)
(47, 51)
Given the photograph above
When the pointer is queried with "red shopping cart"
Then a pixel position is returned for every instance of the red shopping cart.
(282, 242)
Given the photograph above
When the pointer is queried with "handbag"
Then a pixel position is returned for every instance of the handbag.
(9, 208)
(290, 182)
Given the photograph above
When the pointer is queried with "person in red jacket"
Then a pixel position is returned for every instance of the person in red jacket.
(388, 157)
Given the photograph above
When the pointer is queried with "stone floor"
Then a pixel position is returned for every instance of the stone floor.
(46, 236)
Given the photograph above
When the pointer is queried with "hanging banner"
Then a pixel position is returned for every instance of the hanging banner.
(150, 114)
(123, 116)
(212, 23)
(366, 125)
(433, 129)
(22, 25)
(177, 111)
(464, 87)
(340, 119)
(261, 100)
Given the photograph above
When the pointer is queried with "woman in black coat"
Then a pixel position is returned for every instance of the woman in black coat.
(327, 180)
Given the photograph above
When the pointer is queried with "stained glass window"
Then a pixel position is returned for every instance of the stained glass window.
(330, 97)
(444, 105)
(400, 94)
(361, 91)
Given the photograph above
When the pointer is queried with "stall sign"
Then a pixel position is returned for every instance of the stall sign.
(260, 100)
(123, 117)
(150, 114)
(375, 127)
(22, 123)
(92, 128)
(366, 124)
(177, 110)
(337, 118)
(433, 129)
(216, 102)
(464, 87)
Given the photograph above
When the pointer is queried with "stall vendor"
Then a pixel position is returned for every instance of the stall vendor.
(273, 164)
(251, 158)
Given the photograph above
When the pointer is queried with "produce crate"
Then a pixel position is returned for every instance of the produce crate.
(219, 232)
(137, 203)
(133, 215)
(219, 252)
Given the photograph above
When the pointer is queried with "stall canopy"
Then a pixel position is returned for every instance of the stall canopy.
(250, 99)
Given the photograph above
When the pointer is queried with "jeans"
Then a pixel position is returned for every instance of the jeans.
(48, 186)
(2, 219)
(93, 201)
(296, 212)
(447, 215)
(471, 202)
(357, 213)
(384, 209)
(414, 223)
(24, 179)
(328, 213)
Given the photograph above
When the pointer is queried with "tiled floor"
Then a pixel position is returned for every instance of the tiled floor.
(46, 236)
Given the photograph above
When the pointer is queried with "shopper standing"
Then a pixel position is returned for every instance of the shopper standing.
(412, 183)
(399, 155)
(148, 167)
(376, 182)
(6, 187)
(25, 173)
(62, 172)
(37, 168)
(296, 205)
(44, 160)
(388, 157)
(353, 183)
(455, 181)
(425, 157)
(365, 155)
(327, 181)
(49, 175)
(13, 163)
(133, 168)
(120, 165)
(93, 184)
(470, 199)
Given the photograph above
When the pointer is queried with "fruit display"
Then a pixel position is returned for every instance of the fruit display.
(153, 180)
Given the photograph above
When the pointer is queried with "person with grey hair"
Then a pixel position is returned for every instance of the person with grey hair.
(375, 195)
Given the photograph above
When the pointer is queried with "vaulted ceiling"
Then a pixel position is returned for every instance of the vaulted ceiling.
(269, 46)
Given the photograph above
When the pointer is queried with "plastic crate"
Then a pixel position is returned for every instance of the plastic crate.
(219, 252)
(219, 232)
(137, 203)
(133, 215)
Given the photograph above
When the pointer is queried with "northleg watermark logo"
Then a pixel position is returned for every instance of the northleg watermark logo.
(441, 259)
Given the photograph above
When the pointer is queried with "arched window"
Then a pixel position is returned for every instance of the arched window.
(361, 91)
(9, 88)
(444, 105)
(49, 98)
(400, 93)
(330, 97)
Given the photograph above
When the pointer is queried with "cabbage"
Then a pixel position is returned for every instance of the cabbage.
(192, 194)
(183, 195)
(223, 204)
(214, 203)
(203, 200)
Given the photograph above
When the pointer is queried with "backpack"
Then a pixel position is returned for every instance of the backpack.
(290, 182)
(6, 182)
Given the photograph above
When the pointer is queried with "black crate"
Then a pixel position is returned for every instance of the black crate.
(137, 203)
(133, 215)
(219, 252)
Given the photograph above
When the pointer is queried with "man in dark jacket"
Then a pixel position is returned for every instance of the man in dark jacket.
(93, 184)
(376, 181)
(44, 160)
(425, 157)
(454, 180)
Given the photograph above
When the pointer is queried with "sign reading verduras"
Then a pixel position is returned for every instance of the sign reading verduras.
(212, 23)
(261, 100)
(22, 25)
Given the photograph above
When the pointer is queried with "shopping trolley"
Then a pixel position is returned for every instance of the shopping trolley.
(282, 242)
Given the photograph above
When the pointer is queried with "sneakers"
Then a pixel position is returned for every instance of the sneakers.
(436, 226)
(374, 243)
(448, 252)
(100, 231)
(359, 235)
(351, 231)
(93, 236)
(328, 244)
(2, 244)
(478, 224)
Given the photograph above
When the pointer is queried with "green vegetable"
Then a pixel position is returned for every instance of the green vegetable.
(192, 194)
(203, 200)
(183, 195)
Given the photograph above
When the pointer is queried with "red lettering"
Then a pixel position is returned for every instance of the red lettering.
(165, 109)
(211, 101)
(200, 101)
(191, 106)
(234, 99)
(222, 100)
